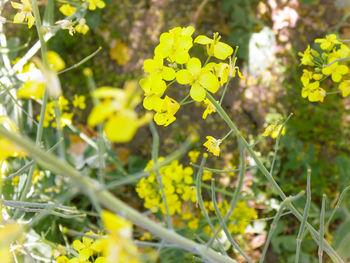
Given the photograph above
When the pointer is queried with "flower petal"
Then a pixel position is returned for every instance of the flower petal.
(222, 50)
(19, 18)
(203, 40)
(194, 66)
(121, 127)
(197, 92)
(183, 76)
(168, 73)
(209, 81)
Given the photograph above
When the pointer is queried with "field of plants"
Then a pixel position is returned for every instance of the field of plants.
(172, 131)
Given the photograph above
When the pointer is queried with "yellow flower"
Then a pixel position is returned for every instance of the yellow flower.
(175, 44)
(308, 56)
(273, 131)
(93, 4)
(194, 156)
(223, 71)
(79, 102)
(7, 148)
(168, 109)
(193, 224)
(55, 61)
(62, 259)
(6, 233)
(24, 13)
(31, 89)
(155, 67)
(199, 78)
(118, 246)
(209, 109)
(336, 71)
(118, 107)
(213, 145)
(82, 27)
(67, 10)
(328, 42)
(313, 91)
(215, 48)
(345, 88)
(120, 52)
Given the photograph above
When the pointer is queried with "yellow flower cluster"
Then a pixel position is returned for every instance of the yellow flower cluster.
(325, 65)
(239, 219)
(172, 62)
(66, 114)
(80, 22)
(178, 187)
(117, 109)
(115, 247)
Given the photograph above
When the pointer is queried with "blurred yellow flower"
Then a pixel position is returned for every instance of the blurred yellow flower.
(273, 131)
(345, 88)
(336, 71)
(82, 27)
(67, 10)
(119, 51)
(117, 108)
(24, 13)
(93, 4)
(328, 42)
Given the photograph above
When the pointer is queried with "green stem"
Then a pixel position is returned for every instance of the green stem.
(234, 199)
(109, 201)
(320, 248)
(330, 251)
(201, 203)
(305, 214)
(155, 151)
(223, 224)
(273, 226)
(81, 61)
(341, 197)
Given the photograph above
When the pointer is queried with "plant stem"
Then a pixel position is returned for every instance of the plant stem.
(330, 251)
(88, 185)
(155, 151)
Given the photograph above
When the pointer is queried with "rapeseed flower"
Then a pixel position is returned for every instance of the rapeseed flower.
(336, 71)
(118, 246)
(175, 44)
(178, 187)
(117, 109)
(93, 4)
(200, 79)
(215, 48)
(209, 109)
(24, 13)
(345, 88)
(79, 101)
(82, 27)
(168, 109)
(67, 10)
(213, 145)
(328, 42)
(307, 58)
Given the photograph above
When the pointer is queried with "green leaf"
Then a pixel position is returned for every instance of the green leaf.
(341, 240)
